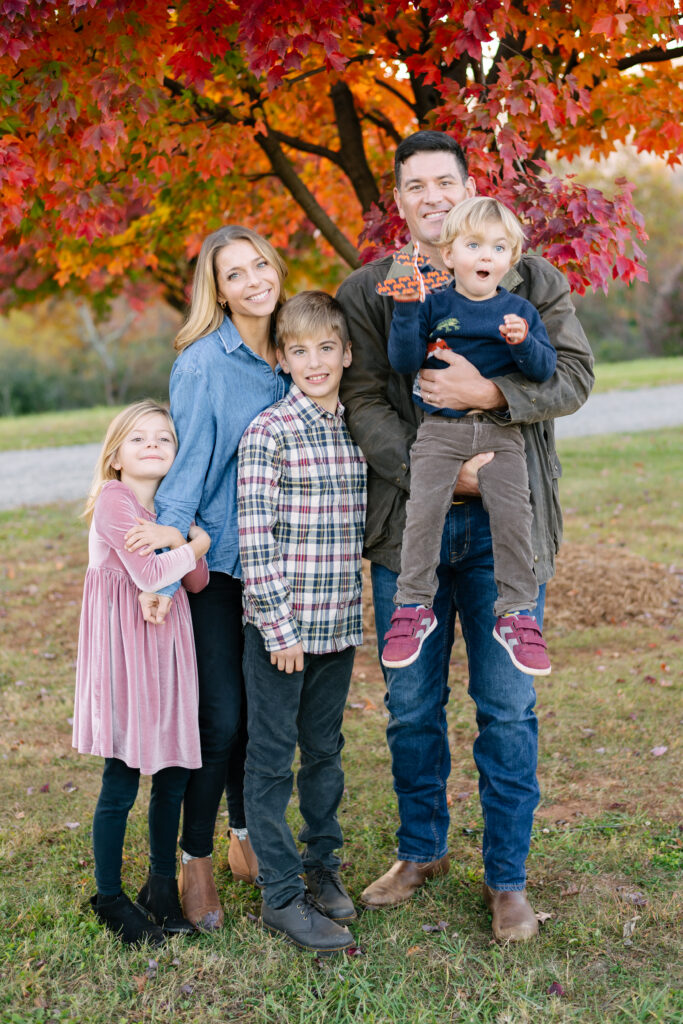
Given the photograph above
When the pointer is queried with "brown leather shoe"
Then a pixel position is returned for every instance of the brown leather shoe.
(401, 881)
(242, 859)
(513, 918)
(197, 890)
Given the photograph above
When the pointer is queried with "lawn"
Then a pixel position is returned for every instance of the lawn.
(607, 850)
(82, 426)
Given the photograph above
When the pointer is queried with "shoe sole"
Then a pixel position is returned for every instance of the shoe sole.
(302, 945)
(413, 657)
(167, 931)
(522, 668)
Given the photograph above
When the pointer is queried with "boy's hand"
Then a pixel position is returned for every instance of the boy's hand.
(290, 660)
(514, 329)
(146, 537)
(155, 607)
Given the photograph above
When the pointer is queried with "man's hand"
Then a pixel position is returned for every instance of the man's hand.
(459, 386)
(467, 484)
(290, 660)
(155, 607)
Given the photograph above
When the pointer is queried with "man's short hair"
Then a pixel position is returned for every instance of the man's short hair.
(428, 142)
(310, 314)
(471, 214)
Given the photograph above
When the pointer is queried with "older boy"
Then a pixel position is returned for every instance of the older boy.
(301, 515)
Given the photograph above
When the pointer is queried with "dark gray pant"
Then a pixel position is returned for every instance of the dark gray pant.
(282, 709)
(440, 448)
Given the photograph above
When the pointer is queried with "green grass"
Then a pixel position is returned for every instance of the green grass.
(638, 373)
(47, 429)
(80, 426)
(606, 851)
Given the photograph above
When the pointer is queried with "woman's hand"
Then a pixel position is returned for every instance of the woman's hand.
(290, 660)
(147, 537)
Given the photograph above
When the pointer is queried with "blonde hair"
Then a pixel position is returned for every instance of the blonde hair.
(206, 314)
(310, 313)
(117, 430)
(471, 215)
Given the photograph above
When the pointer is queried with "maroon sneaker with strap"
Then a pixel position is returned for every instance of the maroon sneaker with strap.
(410, 627)
(521, 637)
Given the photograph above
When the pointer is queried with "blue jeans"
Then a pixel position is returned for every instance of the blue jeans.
(505, 751)
(305, 707)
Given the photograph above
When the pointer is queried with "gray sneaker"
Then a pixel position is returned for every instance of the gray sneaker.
(304, 924)
(325, 886)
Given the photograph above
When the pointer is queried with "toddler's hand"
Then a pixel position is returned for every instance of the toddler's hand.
(290, 660)
(514, 329)
(409, 295)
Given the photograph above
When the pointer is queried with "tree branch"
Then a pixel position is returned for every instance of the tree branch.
(351, 148)
(654, 56)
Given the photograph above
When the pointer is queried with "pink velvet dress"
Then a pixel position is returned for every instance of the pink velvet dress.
(136, 683)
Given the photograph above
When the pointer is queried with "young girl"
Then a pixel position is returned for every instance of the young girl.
(136, 684)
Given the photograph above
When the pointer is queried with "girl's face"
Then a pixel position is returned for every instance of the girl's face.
(246, 281)
(147, 452)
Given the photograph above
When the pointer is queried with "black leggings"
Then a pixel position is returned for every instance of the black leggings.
(117, 796)
(217, 623)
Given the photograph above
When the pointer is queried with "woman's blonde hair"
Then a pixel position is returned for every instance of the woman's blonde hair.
(117, 430)
(205, 313)
(470, 216)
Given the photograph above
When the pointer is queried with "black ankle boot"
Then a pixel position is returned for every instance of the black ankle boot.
(126, 920)
(159, 898)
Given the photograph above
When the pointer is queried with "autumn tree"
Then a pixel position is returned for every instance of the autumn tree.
(129, 130)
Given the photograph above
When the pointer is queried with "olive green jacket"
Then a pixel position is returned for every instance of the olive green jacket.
(383, 418)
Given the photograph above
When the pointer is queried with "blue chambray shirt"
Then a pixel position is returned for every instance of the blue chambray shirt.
(218, 386)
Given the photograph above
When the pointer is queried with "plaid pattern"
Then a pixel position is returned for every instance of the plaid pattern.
(301, 498)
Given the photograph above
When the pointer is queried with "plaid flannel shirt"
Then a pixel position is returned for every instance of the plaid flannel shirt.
(301, 497)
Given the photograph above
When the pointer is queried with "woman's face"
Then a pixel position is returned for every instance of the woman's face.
(246, 281)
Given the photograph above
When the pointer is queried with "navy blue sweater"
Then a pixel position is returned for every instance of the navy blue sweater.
(471, 329)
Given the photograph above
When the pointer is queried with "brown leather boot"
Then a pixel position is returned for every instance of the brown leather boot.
(401, 881)
(242, 859)
(513, 918)
(198, 895)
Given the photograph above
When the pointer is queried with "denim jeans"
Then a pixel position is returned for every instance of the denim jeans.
(217, 624)
(117, 796)
(505, 751)
(307, 707)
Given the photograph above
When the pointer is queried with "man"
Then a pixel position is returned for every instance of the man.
(431, 178)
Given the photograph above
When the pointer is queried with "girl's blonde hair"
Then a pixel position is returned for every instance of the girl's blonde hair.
(470, 216)
(206, 314)
(117, 431)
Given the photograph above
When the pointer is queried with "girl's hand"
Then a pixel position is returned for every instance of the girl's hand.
(514, 329)
(200, 542)
(290, 660)
(147, 537)
(155, 607)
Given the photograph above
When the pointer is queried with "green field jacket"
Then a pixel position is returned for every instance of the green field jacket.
(383, 418)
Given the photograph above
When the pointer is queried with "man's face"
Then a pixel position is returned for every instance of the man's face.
(431, 184)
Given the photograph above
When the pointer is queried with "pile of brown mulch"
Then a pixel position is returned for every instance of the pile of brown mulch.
(593, 585)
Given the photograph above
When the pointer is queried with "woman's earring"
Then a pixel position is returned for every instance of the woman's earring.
(222, 303)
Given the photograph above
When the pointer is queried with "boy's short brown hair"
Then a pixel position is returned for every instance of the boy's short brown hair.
(472, 214)
(310, 313)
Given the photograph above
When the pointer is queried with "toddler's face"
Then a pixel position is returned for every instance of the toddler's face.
(479, 260)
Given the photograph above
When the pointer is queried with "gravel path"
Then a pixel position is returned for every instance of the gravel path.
(64, 474)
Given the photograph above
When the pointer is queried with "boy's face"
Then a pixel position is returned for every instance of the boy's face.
(316, 366)
(479, 260)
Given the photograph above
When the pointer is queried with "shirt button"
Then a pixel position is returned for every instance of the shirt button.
(535, 558)
(404, 467)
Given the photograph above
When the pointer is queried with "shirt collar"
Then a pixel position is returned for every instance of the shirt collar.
(308, 408)
(231, 339)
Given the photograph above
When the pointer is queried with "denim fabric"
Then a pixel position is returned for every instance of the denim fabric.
(217, 387)
(217, 623)
(505, 751)
(117, 796)
(307, 707)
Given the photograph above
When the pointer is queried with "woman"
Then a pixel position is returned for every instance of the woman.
(226, 373)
